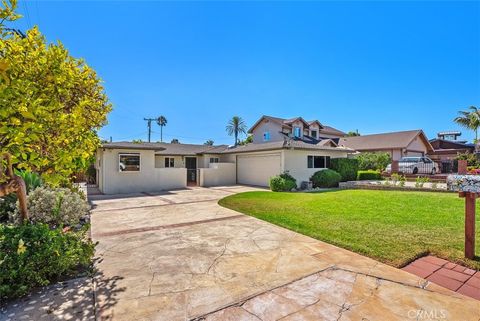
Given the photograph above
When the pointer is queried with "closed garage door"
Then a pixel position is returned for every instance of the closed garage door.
(257, 169)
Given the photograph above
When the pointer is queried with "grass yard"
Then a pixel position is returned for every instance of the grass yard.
(394, 227)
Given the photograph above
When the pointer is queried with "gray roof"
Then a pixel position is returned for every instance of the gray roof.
(286, 144)
(332, 131)
(168, 149)
(130, 145)
(384, 141)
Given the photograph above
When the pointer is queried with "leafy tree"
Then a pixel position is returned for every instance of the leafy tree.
(236, 126)
(51, 106)
(175, 141)
(373, 161)
(137, 141)
(469, 119)
(246, 141)
(161, 121)
(209, 142)
(353, 133)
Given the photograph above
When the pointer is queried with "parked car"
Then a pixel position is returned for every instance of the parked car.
(415, 165)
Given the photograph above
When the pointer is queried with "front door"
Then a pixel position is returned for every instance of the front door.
(191, 165)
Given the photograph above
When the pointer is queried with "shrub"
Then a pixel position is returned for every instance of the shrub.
(55, 206)
(32, 180)
(8, 204)
(369, 175)
(373, 161)
(420, 181)
(283, 183)
(471, 159)
(326, 178)
(33, 255)
(346, 167)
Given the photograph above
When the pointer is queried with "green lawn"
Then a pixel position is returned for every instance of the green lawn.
(394, 227)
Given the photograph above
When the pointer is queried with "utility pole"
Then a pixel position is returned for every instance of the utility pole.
(149, 125)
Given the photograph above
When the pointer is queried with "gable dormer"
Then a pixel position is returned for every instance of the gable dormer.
(314, 128)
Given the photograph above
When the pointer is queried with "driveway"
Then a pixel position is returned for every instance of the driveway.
(180, 256)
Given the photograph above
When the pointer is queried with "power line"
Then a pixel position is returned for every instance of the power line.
(27, 14)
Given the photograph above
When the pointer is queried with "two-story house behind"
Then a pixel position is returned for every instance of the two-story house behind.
(272, 129)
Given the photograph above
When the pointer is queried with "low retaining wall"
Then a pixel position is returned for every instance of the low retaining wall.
(375, 185)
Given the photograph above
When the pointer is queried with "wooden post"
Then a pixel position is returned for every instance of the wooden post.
(470, 200)
(395, 167)
(462, 167)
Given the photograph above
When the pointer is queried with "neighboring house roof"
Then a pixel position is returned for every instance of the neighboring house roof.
(285, 144)
(385, 141)
(168, 149)
(438, 143)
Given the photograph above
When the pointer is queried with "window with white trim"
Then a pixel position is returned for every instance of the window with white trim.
(266, 136)
(313, 133)
(214, 160)
(318, 161)
(129, 162)
(169, 162)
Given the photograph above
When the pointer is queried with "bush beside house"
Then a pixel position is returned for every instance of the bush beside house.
(51, 245)
(369, 175)
(283, 183)
(346, 167)
(33, 255)
(326, 178)
(373, 161)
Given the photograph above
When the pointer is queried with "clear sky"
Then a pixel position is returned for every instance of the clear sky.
(371, 66)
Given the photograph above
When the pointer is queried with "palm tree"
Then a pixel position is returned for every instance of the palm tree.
(161, 121)
(236, 126)
(469, 119)
(209, 142)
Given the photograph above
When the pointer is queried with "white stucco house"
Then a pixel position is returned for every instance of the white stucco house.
(295, 145)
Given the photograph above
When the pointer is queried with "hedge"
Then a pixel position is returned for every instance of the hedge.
(346, 167)
(368, 175)
(283, 183)
(326, 178)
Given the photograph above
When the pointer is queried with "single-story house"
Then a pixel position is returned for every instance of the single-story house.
(296, 146)
(397, 144)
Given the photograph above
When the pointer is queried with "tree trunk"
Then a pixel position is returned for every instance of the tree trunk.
(14, 184)
(236, 138)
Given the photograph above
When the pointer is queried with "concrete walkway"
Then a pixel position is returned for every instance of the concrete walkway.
(180, 256)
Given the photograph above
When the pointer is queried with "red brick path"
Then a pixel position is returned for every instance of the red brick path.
(449, 275)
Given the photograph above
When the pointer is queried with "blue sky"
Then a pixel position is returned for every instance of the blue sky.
(371, 66)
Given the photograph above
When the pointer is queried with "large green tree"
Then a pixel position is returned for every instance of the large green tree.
(51, 106)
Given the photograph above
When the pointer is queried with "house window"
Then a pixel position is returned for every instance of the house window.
(313, 133)
(169, 162)
(129, 162)
(214, 159)
(318, 161)
(297, 132)
(266, 136)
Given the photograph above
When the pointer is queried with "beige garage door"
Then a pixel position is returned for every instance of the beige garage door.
(257, 169)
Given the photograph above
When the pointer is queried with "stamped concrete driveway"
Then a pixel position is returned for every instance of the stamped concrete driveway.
(180, 256)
